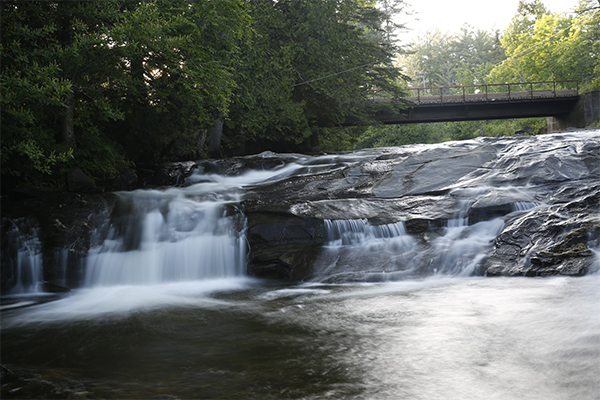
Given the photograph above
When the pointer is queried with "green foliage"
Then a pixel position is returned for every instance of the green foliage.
(396, 135)
(341, 139)
(281, 96)
(175, 60)
(400, 135)
(541, 46)
(40, 161)
(94, 84)
(545, 47)
(32, 92)
(99, 84)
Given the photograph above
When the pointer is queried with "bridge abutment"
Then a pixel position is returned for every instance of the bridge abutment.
(586, 112)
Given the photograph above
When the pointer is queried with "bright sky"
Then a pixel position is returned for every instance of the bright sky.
(449, 15)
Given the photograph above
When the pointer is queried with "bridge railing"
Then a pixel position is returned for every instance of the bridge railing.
(490, 92)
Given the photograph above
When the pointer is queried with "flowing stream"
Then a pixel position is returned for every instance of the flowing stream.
(438, 338)
(165, 310)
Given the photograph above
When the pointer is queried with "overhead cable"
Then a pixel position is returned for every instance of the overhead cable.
(337, 73)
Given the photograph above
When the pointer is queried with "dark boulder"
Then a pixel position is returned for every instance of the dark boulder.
(79, 182)
(283, 245)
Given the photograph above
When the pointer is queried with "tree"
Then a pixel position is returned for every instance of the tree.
(177, 60)
(546, 47)
(97, 84)
(311, 65)
(50, 51)
(391, 10)
(441, 59)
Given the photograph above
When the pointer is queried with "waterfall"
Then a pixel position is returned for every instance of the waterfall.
(461, 248)
(358, 231)
(173, 239)
(177, 235)
(359, 251)
(191, 233)
(323, 218)
(22, 251)
(524, 205)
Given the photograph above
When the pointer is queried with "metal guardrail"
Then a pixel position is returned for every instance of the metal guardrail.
(429, 95)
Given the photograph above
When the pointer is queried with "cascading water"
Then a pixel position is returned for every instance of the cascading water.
(359, 231)
(22, 250)
(167, 237)
(460, 248)
(359, 251)
(524, 205)
(177, 235)
(162, 307)
(154, 237)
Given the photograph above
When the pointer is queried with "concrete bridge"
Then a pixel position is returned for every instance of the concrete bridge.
(482, 102)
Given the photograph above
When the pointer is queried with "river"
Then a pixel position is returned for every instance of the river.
(162, 306)
(437, 338)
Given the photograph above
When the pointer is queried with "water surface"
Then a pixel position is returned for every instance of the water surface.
(438, 338)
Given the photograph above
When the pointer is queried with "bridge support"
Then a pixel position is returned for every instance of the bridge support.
(586, 112)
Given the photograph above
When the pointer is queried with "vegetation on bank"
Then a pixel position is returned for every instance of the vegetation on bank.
(536, 46)
(104, 85)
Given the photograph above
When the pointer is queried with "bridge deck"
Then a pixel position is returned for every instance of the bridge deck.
(490, 97)
(492, 101)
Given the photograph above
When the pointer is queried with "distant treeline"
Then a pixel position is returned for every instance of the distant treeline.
(536, 46)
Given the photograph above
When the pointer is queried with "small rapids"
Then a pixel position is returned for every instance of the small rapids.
(159, 249)
(198, 232)
(173, 240)
(360, 251)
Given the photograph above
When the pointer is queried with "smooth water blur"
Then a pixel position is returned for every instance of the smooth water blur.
(179, 234)
(25, 260)
(438, 338)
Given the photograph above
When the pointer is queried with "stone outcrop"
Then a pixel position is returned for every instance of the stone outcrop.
(553, 178)
(544, 190)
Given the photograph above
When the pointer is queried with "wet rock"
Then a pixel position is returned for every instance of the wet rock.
(544, 189)
(549, 241)
(127, 180)
(79, 182)
(67, 224)
(433, 170)
(283, 245)
(172, 174)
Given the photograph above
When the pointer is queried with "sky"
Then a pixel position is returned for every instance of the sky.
(449, 15)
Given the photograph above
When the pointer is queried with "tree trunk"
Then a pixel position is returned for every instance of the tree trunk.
(202, 133)
(214, 140)
(68, 131)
